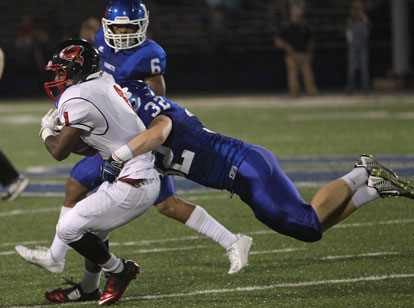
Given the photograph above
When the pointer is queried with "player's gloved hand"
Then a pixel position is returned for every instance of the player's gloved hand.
(49, 120)
(57, 128)
(111, 169)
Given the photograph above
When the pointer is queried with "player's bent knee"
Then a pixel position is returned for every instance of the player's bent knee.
(167, 206)
(305, 230)
(176, 208)
(103, 235)
(67, 232)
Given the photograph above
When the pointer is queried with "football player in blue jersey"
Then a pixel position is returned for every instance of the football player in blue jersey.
(126, 54)
(250, 171)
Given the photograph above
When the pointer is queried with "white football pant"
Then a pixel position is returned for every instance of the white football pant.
(111, 206)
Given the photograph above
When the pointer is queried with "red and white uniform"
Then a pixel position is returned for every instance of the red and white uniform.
(107, 121)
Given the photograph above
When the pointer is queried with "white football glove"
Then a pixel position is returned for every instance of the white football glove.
(49, 120)
(58, 126)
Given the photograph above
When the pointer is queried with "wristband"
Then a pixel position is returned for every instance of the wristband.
(124, 153)
(46, 132)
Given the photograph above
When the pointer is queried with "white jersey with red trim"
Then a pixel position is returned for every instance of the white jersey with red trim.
(107, 120)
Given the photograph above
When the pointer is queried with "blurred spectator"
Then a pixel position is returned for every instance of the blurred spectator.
(298, 4)
(89, 28)
(29, 43)
(295, 39)
(215, 21)
(357, 33)
(31, 47)
(1, 62)
(225, 4)
(277, 15)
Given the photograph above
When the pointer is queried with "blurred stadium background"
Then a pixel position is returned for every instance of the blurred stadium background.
(242, 57)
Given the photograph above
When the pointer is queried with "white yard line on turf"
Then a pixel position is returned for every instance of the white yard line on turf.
(167, 249)
(334, 116)
(275, 286)
(369, 224)
(255, 252)
(24, 212)
(170, 249)
(24, 243)
(246, 289)
(262, 252)
(362, 255)
(261, 232)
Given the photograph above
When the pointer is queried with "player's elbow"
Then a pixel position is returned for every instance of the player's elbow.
(165, 132)
(59, 155)
(159, 138)
(161, 128)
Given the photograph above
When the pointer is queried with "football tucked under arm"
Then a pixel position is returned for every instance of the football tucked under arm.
(81, 148)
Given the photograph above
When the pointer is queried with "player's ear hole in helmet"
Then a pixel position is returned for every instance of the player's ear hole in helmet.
(125, 23)
(72, 62)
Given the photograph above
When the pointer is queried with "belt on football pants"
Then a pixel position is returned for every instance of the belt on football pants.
(136, 182)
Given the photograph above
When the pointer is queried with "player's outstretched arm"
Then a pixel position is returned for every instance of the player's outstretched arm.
(156, 134)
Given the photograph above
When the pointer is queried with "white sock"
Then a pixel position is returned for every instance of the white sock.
(356, 178)
(59, 249)
(90, 281)
(364, 195)
(114, 265)
(203, 223)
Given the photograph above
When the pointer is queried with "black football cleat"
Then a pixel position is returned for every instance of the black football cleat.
(73, 294)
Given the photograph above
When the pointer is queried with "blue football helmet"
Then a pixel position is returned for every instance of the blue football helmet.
(134, 89)
(128, 13)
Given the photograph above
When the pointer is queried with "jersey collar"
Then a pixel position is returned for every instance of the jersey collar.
(94, 75)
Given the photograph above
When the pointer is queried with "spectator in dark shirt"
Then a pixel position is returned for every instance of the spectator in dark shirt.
(296, 40)
(357, 33)
(89, 27)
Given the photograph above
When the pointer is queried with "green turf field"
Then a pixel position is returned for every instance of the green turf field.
(367, 261)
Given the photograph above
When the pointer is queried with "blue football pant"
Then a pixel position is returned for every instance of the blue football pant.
(275, 201)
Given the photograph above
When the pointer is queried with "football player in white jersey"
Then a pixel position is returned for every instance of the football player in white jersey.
(95, 114)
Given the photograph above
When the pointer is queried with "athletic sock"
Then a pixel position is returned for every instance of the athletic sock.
(90, 281)
(203, 223)
(364, 195)
(113, 265)
(59, 249)
(356, 178)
